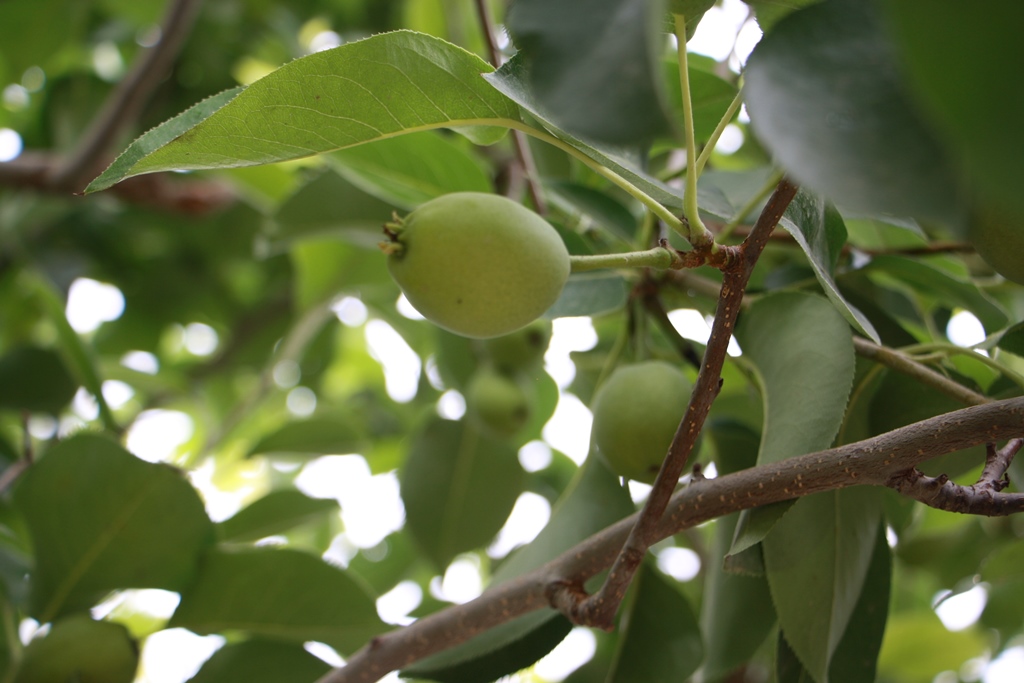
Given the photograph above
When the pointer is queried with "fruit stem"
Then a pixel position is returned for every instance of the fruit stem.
(658, 257)
(695, 232)
(705, 153)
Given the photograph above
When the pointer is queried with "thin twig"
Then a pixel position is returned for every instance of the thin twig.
(122, 107)
(874, 461)
(599, 609)
(523, 154)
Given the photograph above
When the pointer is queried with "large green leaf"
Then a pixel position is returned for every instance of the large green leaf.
(819, 230)
(274, 513)
(261, 661)
(101, 519)
(278, 593)
(825, 96)
(593, 66)
(962, 62)
(593, 500)
(376, 88)
(411, 169)
(458, 486)
(816, 559)
(660, 639)
(802, 350)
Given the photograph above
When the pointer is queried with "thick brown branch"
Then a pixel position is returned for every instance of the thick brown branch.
(599, 610)
(876, 461)
(124, 104)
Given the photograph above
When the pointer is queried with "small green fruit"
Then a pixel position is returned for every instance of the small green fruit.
(497, 402)
(998, 238)
(81, 649)
(636, 413)
(477, 264)
(521, 350)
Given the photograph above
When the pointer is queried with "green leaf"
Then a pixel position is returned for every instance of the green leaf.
(328, 267)
(35, 379)
(510, 80)
(314, 436)
(941, 286)
(101, 519)
(458, 486)
(593, 500)
(411, 169)
(274, 513)
(590, 294)
(917, 647)
(261, 661)
(593, 66)
(966, 91)
(737, 612)
(856, 657)
(331, 206)
(710, 96)
(278, 593)
(1012, 340)
(825, 97)
(497, 652)
(379, 87)
(660, 639)
(802, 350)
(603, 209)
(817, 558)
(819, 230)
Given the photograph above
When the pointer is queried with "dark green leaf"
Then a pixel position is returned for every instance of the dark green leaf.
(590, 294)
(315, 436)
(410, 169)
(458, 486)
(497, 652)
(593, 67)
(35, 379)
(278, 593)
(819, 230)
(261, 661)
(603, 209)
(825, 96)
(274, 513)
(362, 91)
(101, 519)
(1013, 340)
(965, 89)
(710, 97)
(660, 639)
(817, 558)
(803, 352)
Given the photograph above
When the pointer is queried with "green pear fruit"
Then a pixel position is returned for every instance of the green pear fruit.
(998, 237)
(80, 649)
(636, 413)
(522, 350)
(497, 402)
(479, 265)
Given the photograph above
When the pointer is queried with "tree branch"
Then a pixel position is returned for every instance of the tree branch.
(122, 107)
(599, 609)
(878, 461)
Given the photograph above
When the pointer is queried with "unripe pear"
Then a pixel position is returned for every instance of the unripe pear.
(477, 264)
(636, 413)
(498, 402)
(81, 649)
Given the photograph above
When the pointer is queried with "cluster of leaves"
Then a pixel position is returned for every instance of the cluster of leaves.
(848, 97)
